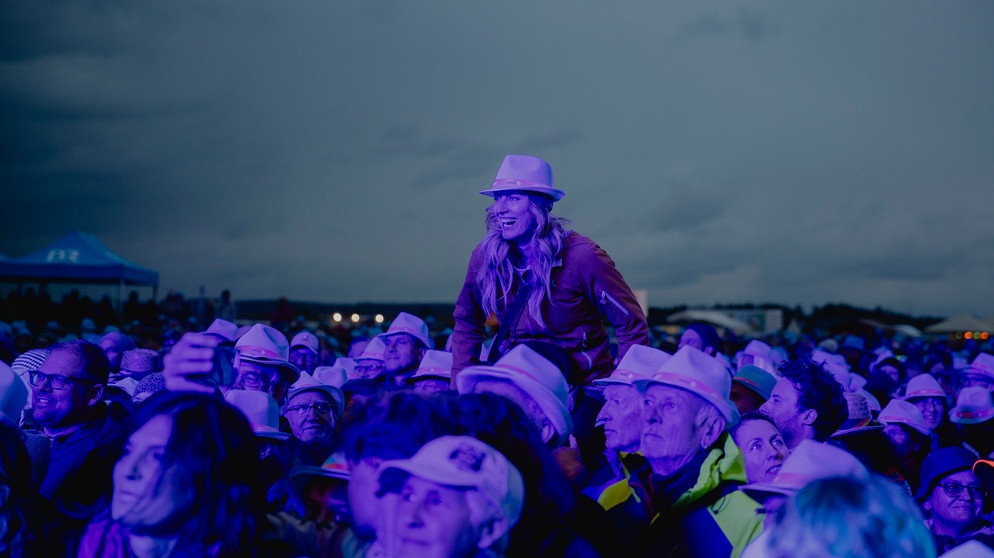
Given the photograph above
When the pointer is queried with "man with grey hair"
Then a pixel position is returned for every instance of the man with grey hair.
(686, 488)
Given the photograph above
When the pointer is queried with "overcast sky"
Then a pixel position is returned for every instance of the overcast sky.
(789, 152)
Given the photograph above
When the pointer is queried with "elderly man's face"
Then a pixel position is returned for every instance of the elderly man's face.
(403, 352)
(670, 425)
(622, 418)
(311, 417)
(962, 507)
(433, 521)
(368, 368)
(57, 409)
(258, 376)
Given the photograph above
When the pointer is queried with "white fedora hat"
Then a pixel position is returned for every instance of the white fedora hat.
(535, 375)
(639, 363)
(261, 410)
(411, 325)
(698, 373)
(524, 173)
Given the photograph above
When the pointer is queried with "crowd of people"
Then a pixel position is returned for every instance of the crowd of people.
(550, 421)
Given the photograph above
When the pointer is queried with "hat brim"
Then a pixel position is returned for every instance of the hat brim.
(554, 409)
(288, 371)
(428, 343)
(553, 193)
(857, 430)
(612, 382)
(956, 416)
(753, 387)
(924, 491)
(269, 432)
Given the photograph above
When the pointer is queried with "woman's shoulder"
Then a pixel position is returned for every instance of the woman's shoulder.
(578, 247)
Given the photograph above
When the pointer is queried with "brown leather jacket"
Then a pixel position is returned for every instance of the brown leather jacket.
(585, 286)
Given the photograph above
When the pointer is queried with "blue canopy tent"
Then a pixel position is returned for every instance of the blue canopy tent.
(77, 257)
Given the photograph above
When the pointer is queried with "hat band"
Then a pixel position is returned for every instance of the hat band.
(418, 334)
(977, 370)
(433, 370)
(750, 383)
(924, 393)
(252, 351)
(687, 383)
(378, 357)
(509, 184)
(983, 413)
(902, 420)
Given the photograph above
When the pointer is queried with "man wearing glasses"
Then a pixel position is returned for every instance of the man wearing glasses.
(952, 498)
(312, 410)
(67, 393)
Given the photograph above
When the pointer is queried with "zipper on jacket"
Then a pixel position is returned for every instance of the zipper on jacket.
(606, 297)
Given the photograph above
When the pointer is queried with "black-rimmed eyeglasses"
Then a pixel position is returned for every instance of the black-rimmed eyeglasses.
(321, 408)
(58, 381)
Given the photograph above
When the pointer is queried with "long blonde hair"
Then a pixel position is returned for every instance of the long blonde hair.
(496, 276)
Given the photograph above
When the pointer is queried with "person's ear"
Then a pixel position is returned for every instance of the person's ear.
(712, 429)
(96, 394)
(548, 432)
(809, 416)
(491, 531)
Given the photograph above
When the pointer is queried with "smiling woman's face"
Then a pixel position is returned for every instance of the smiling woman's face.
(514, 216)
(149, 487)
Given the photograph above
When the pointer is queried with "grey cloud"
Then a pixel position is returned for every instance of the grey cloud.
(748, 23)
(686, 210)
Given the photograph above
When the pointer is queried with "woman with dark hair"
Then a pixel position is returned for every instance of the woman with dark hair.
(185, 484)
(542, 281)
